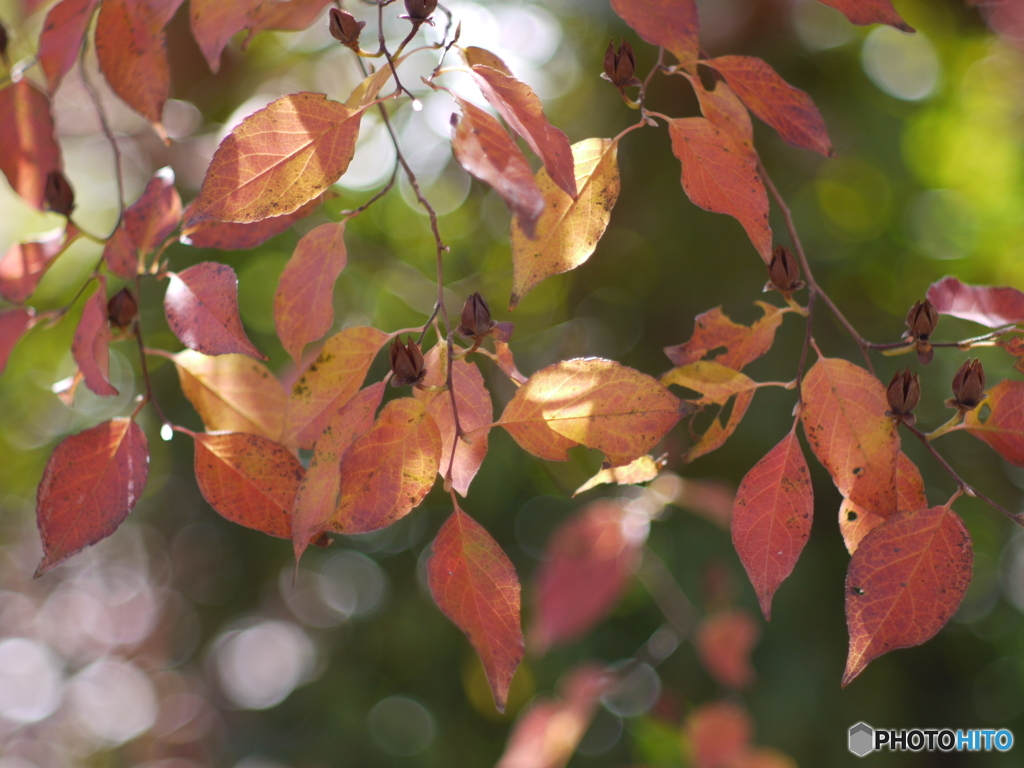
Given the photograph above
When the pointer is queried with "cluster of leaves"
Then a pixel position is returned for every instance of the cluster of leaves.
(371, 465)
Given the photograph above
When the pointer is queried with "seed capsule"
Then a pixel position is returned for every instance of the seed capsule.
(783, 271)
(122, 308)
(419, 11)
(968, 386)
(922, 319)
(903, 394)
(406, 363)
(344, 28)
(476, 318)
(60, 198)
(620, 65)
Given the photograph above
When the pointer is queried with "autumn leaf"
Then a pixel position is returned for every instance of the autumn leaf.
(90, 484)
(711, 499)
(772, 516)
(61, 38)
(639, 471)
(329, 382)
(147, 223)
(277, 160)
(475, 585)
(723, 108)
(720, 175)
(90, 346)
(717, 434)
(855, 522)
(248, 479)
(473, 56)
(120, 254)
(1003, 427)
(231, 236)
(724, 642)
(597, 403)
(586, 569)
(788, 110)
(865, 12)
(731, 344)
(201, 305)
(904, 582)
(715, 382)
(487, 152)
(718, 734)
(845, 423)
(669, 24)
(304, 299)
(516, 102)
(14, 323)
(24, 264)
(568, 230)
(28, 149)
(288, 16)
(233, 393)
(507, 364)
(990, 306)
(388, 470)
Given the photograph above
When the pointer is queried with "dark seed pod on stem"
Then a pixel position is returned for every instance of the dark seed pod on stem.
(122, 308)
(406, 363)
(903, 394)
(968, 386)
(60, 198)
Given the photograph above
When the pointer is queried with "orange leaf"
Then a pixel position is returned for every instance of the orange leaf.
(473, 56)
(304, 299)
(329, 382)
(248, 479)
(277, 160)
(24, 264)
(61, 39)
(713, 381)
(290, 16)
(318, 493)
(788, 110)
(388, 470)
(516, 102)
(719, 733)
(716, 435)
(90, 484)
(845, 423)
(869, 12)
(598, 403)
(724, 642)
(487, 152)
(855, 523)
(723, 108)
(28, 150)
(1003, 429)
(233, 393)
(475, 416)
(14, 323)
(712, 331)
(147, 223)
(90, 347)
(670, 24)
(568, 230)
(720, 175)
(230, 236)
(201, 305)
(988, 305)
(905, 581)
(640, 471)
(585, 571)
(475, 585)
(507, 364)
(772, 516)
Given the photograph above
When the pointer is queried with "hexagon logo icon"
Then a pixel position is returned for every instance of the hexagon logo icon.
(862, 739)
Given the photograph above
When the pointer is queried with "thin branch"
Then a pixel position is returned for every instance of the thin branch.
(803, 352)
(351, 214)
(94, 95)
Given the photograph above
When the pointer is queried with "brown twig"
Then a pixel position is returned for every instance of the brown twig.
(803, 352)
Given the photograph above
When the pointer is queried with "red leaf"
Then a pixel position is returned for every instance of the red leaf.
(905, 581)
(855, 522)
(720, 175)
(230, 236)
(845, 423)
(670, 24)
(990, 306)
(475, 585)
(723, 108)
(304, 299)
(201, 305)
(28, 149)
(14, 323)
(516, 102)
(788, 110)
(24, 265)
(475, 416)
(290, 16)
(869, 12)
(719, 733)
(248, 479)
(507, 364)
(90, 347)
(586, 569)
(1003, 429)
(147, 223)
(724, 642)
(90, 484)
(277, 160)
(61, 39)
(487, 152)
(772, 516)
(712, 331)
(121, 255)
(716, 435)
(329, 382)
(318, 493)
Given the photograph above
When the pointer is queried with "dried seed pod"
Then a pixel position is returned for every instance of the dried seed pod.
(968, 386)
(620, 65)
(345, 29)
(783, 272)
(476, 318)
(922, 319)
(406, 363)
(419, 11)
(122, 308)
(60, 198)
(903, 394)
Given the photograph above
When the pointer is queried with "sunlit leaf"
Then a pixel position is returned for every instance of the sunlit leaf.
(724, 642)
(1000, 420)
(14, 323)
(288, 16)
(24, 264)
(641, 470)
(507, 363)
(855, 522)
(61, 39)
(869, 12)
(474, 56)
(718, 433)
(28, 149)
(715, 382)
(670, 24)
(91, 344)
(723, 108)
(731, 344)
(990, 306)
(231, 236)
(147, 223)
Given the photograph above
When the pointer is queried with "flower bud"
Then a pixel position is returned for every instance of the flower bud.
(968, 386)
(620, 65)
(476, 318)
(344, 28)
(122, 308)
(922, 319)
(406, 363)
(420, 10)
(903, 394)
(60, 198)
(783, 271)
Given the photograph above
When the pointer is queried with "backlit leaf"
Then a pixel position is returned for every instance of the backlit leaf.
(990, 306)
(718, 733)
(389, 469)
(507, 364)
(487, 152)
(475, 585)
(670, 24)
(201, 305)
(1003, 427)
(855, 523)
(91, 482)
(231, 236)
(14, 323)
(233, 393)
(147, 223)
(277, 160)
(289, 16)
(716, 435)
(720, 175)
(788, 110)
(28, 149)
(568, 230)
(329, 382)
(723, 108)
(845, 423)
(90, 346)
(516, 102)
(597, 403)
(248, 479)
(713, 381)
(24, 264)
(474, 56)
(586, 569)
(642, 470)
(905, 581)
(724, 642)
(121, 255)
(869, 12)
(61, 39)
(712, 331)
(304, 299)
